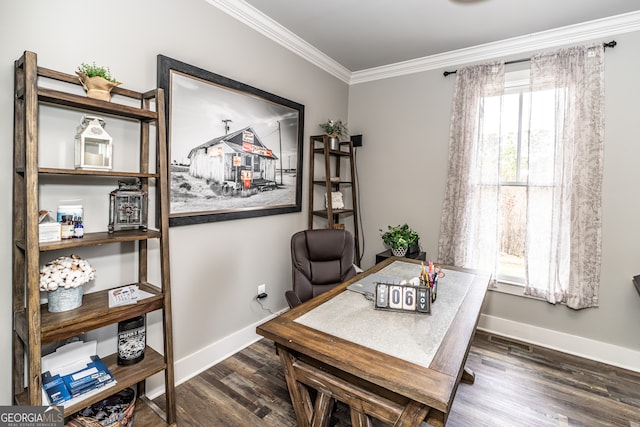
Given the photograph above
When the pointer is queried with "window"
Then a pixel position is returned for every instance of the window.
(505, 120)
(516, 122)
(523, 195)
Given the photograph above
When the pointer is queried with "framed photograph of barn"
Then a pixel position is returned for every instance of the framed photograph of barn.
(234, 151)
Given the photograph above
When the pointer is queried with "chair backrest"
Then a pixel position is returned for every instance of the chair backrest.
(321, 259)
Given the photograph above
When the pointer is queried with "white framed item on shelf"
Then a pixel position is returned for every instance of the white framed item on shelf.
(93, 145)
(337, 201)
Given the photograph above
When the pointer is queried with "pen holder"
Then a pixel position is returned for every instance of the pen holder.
(432, 285)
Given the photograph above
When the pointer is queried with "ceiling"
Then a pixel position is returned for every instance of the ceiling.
(364, 34)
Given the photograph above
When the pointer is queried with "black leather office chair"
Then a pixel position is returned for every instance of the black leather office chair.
(321, 259)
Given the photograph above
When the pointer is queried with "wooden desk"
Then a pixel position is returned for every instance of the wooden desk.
(359, 357)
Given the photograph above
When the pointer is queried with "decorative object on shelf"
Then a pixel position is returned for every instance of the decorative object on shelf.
(97, 81)
(78, 230)
(49, 229)
(63, 279)
(131, 341)
(75, 210)
(337, 201)
(400, 238)
(114, 411)
(335, 129)
(128, 207)
(93, 145)
(63, 299)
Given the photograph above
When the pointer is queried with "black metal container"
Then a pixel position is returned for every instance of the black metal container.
(132, 340)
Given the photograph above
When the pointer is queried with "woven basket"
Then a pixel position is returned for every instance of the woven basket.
(123, 418)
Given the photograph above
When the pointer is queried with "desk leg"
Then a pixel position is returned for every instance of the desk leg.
(412, 415)
(323, 408)
(468, 376)
(299, 393)
(359, 419)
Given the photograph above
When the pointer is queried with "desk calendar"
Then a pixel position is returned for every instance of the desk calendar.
(406, 298)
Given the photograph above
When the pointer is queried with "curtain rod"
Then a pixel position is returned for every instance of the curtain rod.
(610, 44)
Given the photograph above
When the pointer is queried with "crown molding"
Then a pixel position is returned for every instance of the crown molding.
(247, 14)
(600, 28)
(605, 27)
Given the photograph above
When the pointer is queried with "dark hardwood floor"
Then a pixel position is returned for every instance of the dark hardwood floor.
(516, 386)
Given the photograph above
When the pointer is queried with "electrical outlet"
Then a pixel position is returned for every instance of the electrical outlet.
(262, 289)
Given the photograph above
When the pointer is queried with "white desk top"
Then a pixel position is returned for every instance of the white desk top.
(409, 336)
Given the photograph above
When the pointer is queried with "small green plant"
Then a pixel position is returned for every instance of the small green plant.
(334, 128)
(399, 236)
(93, 70)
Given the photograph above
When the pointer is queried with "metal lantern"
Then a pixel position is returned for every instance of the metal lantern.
(128, 207)
(93, 145)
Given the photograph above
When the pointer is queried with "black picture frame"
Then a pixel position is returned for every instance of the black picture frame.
(234, 151)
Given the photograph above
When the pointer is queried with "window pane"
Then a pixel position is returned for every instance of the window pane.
(509, 152)
(543, 136)
(513, 208)
(488, 150)
(523, 170)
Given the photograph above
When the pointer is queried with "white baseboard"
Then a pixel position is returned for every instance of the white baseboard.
(195, 363)
(578, 346)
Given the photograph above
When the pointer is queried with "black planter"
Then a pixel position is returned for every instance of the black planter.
(413, 249)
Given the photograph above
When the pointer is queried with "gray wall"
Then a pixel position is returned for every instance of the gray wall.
(216, 267)
(403, 169)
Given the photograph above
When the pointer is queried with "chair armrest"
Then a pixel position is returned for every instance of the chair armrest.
(292, 299)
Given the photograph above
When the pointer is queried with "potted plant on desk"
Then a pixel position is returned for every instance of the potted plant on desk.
(399, 238)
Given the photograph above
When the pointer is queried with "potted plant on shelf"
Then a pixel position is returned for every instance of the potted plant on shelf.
(335, 129)
(97, 80)
(399, 238)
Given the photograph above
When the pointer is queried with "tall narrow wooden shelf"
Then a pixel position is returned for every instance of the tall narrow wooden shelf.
(33, 325)
(329, 179)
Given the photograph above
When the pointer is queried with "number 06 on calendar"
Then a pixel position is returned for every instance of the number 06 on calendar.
(406, 298)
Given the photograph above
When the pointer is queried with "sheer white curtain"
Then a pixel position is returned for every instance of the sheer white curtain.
(565, 162)
(469, 223)
(563, 254)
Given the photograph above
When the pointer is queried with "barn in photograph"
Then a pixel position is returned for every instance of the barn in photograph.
(235, 161)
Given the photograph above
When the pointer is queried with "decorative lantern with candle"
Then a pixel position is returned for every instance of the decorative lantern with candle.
(128, 207)
(93, 145)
